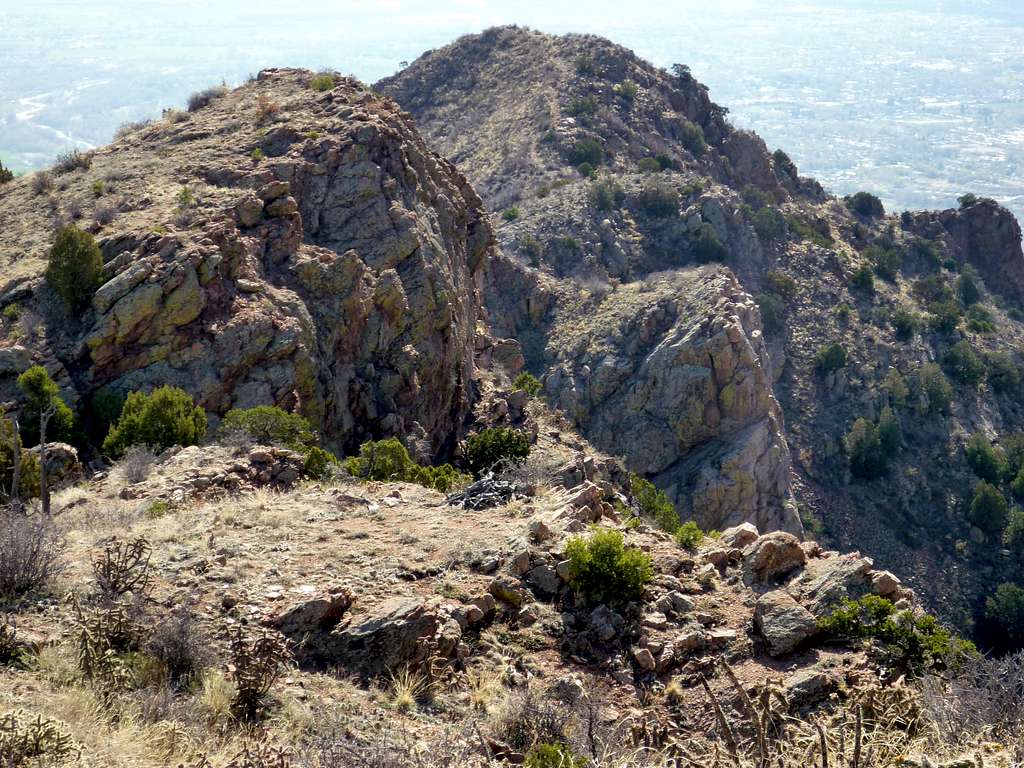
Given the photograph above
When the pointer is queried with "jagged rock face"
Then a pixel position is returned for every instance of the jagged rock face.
(984, 235)
(337, 277)
(672, 375)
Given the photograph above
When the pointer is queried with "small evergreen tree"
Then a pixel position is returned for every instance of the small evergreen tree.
(75, 268)
(493, 445)
(864, 448)
(890, 436)
(692, 137)
(989, 510)
(830, 359)
(988, 462)
(1006, 609)
(706, 245)
(162, 419)
(42, 393)
(964, 364)
(270, 425)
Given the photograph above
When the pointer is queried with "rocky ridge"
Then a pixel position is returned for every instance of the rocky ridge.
(569, 240)
(334, 274)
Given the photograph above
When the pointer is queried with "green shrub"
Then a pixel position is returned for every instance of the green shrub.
(864, 449)
(933, 384)
(649, 165)
(1013, 446)
(586, 106)
(553, 756)
(865, 204)
(964, 364)
(603, 570)
(706, 245)
(784, 165)
(967, 200)
(692, 138)
(493, 445)
(1013, 536)
(159, 420)
(896, 387)
(980, 320)
(606, 195)
(269, 425)
(653, 503)
(772, 313)
(628, 90)
(322, 81)
(585, 65)
(863, 279)
(1003, 374)
(41, 393)
(781, 284)
(319, 463)
(5, 174)
(527, 383)
(689, 535)
(830, 359)
(913, 643)
(530, 247)
(257, 155)
(28, 485)
(967, 289)
(769, 223)
(886, 261)
(510, 214)
(586, 150)
(805, 231)
(986, 461)
(932, 288)
(1017, 484)
(586, 170)
(658, 199)
(389, 461)
(989, 510)
(904, 323)
(944, 316)
(75, 267)
(890, 435)
(664, 161)
(926, 253)
(1006, 609)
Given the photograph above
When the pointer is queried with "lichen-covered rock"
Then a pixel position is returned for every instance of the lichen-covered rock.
(380, 640)
(782, 622)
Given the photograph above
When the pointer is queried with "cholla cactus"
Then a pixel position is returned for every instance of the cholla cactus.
(122, 566)
(23, 737)
(257, 660)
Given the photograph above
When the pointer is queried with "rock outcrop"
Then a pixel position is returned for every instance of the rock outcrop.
(674, 375)
(983, 234)
(337, 277)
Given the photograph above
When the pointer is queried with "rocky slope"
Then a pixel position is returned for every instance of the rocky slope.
(363, 581)
(278, 246)
(511, 106)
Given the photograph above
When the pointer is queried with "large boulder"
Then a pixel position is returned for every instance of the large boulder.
(387, 636)
(773, 556)
(783, 622)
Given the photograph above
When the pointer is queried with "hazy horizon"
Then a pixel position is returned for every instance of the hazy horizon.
(918, 101)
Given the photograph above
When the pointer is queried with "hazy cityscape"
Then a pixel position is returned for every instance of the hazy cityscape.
(921, 102)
